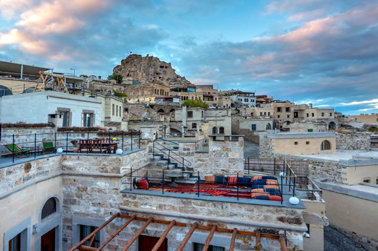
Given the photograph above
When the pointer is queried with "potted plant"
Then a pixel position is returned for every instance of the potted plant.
(75, 147)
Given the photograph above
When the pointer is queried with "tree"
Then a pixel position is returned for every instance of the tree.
(118, 78)
(195, 103)
(119, 94)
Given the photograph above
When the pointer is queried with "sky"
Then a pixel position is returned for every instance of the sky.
(314, 51)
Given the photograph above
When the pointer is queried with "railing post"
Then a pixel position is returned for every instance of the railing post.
(198, 185)
(56, 147)
(13, 148)
(274, 166)
(131, 135)
(88, 141)
(35, 145)
(122, 139)
(131, 178)
(153, 147)
(294, 187)
(183, 163)
(162, 184)
(237, 186)
(139, 141)
(281, 189)
(66, 142)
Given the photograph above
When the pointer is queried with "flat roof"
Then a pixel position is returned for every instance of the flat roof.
(346, 157)
(291, 135)
(15, 68)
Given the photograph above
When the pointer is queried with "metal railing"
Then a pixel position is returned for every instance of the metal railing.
(162, 181)
(31, 145)
(170, 154)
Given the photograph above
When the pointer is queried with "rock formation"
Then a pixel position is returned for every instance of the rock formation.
(150, 69)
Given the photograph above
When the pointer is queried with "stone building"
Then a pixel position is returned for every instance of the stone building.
(243, 99)
(64, 110)
(144, 93)
(365, 118)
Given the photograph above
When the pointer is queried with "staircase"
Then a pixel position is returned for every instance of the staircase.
(175, 167)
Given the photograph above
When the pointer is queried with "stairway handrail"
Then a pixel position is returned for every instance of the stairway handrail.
(171, 152)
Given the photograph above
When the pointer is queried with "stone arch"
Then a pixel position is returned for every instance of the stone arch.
(161, 111)
(50, 207)
(221, 130)
(332, 125)
(215, 130)
(4, 91)
(268, 126)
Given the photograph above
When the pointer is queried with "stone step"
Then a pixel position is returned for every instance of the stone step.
(186, 181)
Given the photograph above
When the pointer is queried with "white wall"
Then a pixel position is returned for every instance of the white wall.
(35, 107)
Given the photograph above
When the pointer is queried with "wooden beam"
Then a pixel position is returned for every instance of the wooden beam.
(187, 237)
(211, 234)
(179, 224)
(234, 232)
(117, 232)
(162, 238)
(126, 247)
(283, 243)
(94, 232)
(87, 248)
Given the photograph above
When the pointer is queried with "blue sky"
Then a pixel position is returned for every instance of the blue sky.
(314, 51)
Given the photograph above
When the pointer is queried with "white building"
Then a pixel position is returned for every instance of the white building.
(244, 99)
(64, 110)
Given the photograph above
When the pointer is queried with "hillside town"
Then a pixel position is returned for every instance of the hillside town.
(147, 160)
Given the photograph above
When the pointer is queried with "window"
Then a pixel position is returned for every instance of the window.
(64, 117)
(261, 113)
(245, 99)
(307, 142)
(201, 114)
(88, 118)
(366, 180)
(287, 109)
(148, 242)
(330, 114)
(221, 130)
(312, 114)
(264, 113)
(326, 145)
(194, 126)
(251, 114)
(268, 126)
(278, 109)
(120, 111)
(296, 143)
(15, 243)
(253, 127)
(49, 208)
(87, 230)
(268, 113)
(113, 109)
(199, 247)
(307, 115)
(310, 130)
(278, 116)
(5, 91)
(215, 130)
(288, 116)
(190, 114)
(322, 114)
(376, 181)
(117, 110)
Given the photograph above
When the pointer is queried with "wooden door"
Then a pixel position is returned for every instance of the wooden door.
(48, 241)
(146, 243)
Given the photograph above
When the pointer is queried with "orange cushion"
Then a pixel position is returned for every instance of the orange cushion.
(209, 179)
(232, 181)
(258, 194)
(272, 186)
(258, 190)
(271, 182)
(256, 178)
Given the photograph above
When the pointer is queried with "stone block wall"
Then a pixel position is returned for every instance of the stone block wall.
(265, 147)
(353, 141)
(223, 158)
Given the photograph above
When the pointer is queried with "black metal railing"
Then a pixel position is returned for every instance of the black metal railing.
(170, 154)
(162, 180)
(36, 144)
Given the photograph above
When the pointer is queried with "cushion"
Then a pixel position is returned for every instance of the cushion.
(262, 197)
(271, 182)
(258, 190)
(48, 145)
(256, 178)
(272, 186)
(269, 177)
(254, 186)
(220, 180)
(242, 181)
(13, 148)
(275, 197)
(259, 182)
(209, 179)
(143, 184)
(272, 191)
(253, 194)
(232, 181)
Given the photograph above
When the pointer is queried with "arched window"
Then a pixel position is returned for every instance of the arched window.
(268, 126)
(326, 145)
(221, 130)
(29, 90)
(161, 111)
(49, 208)
(215, 130)
(4, 91)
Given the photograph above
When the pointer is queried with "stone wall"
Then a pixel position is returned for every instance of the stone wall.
(224, 157)
(353, 141)
(265, 147)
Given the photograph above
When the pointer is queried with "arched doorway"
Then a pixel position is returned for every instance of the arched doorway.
(50, 226)
(326, 145)
(332, 126)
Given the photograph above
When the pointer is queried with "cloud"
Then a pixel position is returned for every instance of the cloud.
(370, 102)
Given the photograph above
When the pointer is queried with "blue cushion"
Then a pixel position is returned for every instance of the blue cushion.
(262, 197)
(220, 180)
(259, 182)
(243, 181)
(269, 177)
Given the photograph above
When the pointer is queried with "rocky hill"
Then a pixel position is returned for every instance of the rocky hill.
(150, 69)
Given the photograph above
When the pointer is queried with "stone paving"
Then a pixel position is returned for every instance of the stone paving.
(336, 241)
